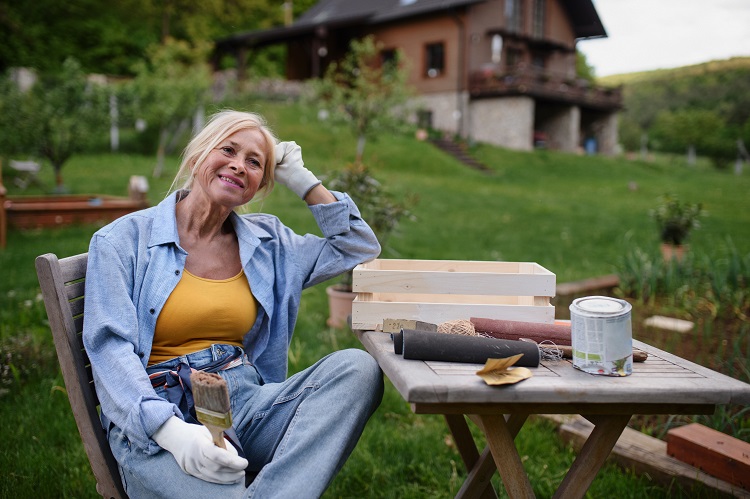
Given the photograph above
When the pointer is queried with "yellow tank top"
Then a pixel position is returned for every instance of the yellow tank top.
(200, 312)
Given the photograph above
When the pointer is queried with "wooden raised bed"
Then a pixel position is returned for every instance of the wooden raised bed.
(27, 212)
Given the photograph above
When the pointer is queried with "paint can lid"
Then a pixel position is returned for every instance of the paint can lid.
(601, 305)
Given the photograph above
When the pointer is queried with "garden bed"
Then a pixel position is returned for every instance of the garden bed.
(28, 212)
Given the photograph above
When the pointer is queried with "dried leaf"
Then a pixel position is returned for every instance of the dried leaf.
(499, 364)
(497, 372)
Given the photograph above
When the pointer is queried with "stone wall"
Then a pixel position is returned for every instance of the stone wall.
(607, 134)
(563, 129)
(511, 122)
(445, 110)
(506, 122)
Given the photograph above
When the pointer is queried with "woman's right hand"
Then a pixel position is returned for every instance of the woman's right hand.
(290, 169)
(195, 452)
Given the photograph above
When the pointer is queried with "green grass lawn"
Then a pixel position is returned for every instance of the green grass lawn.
(575, 215)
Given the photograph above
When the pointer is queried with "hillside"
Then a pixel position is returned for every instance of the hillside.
(684, 71)
(703, 107)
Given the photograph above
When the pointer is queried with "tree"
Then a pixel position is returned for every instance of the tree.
(718, 87)
(365, 92)
(583, 68)
(105, 37)
(59, 116)
(110, 37)
(14, 138)
(170, 86)
(703, 130)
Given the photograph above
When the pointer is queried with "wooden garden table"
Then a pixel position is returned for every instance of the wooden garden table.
(663, 384)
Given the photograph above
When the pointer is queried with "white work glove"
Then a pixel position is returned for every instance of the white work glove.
(195, 452)
(290, 170)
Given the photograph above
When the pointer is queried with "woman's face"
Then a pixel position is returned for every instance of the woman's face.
(233, 171)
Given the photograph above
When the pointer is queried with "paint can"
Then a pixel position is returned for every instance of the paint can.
(601, 335)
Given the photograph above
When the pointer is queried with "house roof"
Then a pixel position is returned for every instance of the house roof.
(342, 13)
(376, 12)
(585, 19)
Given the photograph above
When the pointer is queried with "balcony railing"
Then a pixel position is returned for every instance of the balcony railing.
(487, 83)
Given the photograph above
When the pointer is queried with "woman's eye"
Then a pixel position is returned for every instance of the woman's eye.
(253, 163)
(227, 150)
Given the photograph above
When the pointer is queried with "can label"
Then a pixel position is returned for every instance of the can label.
(601, 336)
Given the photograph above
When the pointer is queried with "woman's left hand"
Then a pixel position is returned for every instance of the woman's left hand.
(290, 169)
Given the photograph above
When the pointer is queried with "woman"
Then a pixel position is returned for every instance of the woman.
(190, 284)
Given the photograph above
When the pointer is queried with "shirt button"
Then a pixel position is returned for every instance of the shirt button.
(152, 311)
(140, 354)
(176, 272)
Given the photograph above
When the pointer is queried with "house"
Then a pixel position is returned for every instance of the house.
(495, 71)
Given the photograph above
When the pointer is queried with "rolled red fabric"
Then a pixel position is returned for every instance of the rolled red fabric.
(559, 334)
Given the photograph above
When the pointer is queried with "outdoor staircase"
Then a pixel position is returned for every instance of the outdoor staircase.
(458, 151)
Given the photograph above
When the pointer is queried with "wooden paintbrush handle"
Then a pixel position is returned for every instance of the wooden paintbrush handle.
(218, 435)
(567, 352)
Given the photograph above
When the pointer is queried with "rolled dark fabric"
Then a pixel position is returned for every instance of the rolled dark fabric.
(559, 334)
(398, 342)
(421, 345)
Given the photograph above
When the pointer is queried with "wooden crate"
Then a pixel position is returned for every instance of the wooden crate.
(436, 291)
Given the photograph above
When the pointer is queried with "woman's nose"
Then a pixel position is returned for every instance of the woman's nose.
(237, 166)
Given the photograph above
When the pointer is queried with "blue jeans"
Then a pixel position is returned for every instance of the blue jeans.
(296, 435)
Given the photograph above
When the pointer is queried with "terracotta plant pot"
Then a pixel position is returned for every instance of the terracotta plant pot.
(673, 252)
(339, 305)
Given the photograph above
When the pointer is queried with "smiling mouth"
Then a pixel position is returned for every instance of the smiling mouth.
(231, 181)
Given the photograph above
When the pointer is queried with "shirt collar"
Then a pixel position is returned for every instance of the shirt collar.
(164, 229)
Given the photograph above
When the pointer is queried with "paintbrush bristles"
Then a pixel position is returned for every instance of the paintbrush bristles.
(211, 400)
(210, 391)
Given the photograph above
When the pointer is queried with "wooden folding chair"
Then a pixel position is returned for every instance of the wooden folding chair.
(62, 283)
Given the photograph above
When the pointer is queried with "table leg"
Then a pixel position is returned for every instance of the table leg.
(514, 421)
(594, 452)
(480, 468)
(505, 454)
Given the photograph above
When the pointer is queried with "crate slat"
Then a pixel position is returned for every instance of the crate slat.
(454, 278)
(437, 291)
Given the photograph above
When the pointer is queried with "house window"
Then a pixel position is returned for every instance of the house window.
(497, 48)
(389, 60)
(434, 59)
(538, 27)
(388, 56)
(513, 16)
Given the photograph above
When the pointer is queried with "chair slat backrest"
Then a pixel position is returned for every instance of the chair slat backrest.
(62, 282)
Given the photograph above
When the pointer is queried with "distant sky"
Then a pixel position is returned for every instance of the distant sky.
(656, 34)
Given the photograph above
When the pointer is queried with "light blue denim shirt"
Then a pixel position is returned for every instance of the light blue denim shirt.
(135, 263)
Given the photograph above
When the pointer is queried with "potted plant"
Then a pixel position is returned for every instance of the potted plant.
(676, 220)
(380, 210)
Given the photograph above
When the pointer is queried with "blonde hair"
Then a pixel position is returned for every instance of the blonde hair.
(220, 126)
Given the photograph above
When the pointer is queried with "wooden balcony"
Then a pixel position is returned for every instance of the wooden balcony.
(489, 83)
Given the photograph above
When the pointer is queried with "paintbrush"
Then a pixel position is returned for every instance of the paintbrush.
(211, 399)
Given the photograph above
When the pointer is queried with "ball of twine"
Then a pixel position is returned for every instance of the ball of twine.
(459, 326)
